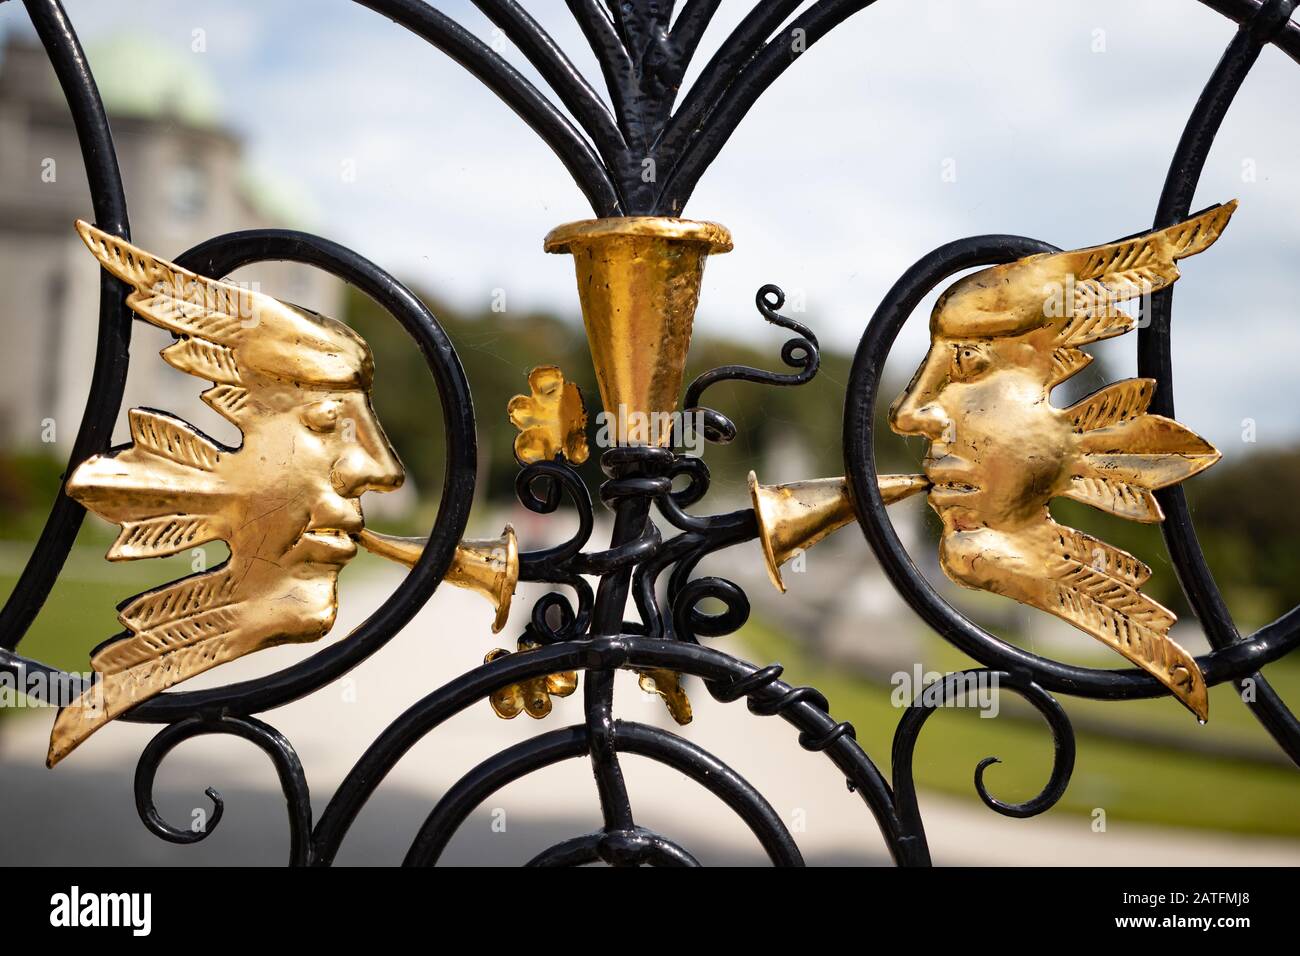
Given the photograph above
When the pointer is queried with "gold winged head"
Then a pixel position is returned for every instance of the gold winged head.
(286, 501)
(1000, 451)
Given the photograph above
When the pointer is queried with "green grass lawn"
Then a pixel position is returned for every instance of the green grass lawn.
(78, 615)
(1230, 723)
(1129, 780)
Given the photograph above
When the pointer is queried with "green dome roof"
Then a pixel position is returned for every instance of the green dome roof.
(141, 77)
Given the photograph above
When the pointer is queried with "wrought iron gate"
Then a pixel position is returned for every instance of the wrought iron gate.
(643, 60)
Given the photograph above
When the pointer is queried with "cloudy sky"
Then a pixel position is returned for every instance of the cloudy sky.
(1059, 120)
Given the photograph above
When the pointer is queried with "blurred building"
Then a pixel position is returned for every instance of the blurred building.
(185, 180)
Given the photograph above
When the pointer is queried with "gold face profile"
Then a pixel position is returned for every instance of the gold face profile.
(286, 501)
(1000, 451)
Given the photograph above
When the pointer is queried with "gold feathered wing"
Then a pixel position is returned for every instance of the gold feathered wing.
(236, 337)
(163, 492)
(1077, 293)
(1094, 586)
(1125, 453)
(1106, 275)
(173, 633)
(166, 488)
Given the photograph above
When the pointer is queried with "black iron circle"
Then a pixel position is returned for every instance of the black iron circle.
(224, 254)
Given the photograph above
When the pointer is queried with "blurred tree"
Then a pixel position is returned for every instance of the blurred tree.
(1249, 526)
(28, 486)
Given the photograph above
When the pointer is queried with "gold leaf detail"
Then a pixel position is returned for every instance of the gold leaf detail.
(1113, 404)
(178, 600)
(668, 685)
(532, 696)
(1065, 363)
(1082, 328)
(551, 421)
(203, 359)
(1097, 554)
(229, 401)
(1118, 497)
(159, 537)
(168, 636)
(172, 439)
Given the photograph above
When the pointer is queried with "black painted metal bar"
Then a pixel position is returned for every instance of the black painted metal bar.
(112, 348)
(1155, 355)
(514, 90)
(645, 847)
(293, 780)
(735, 678)
(615, 63)
(412, 726)
(658, 60)
(1287, 39)
(559, 72)
(740, 46)
(491, 775)
(740, 95)
(578, 851)
(620, 846)
(1242, 658)
(710, 772)
(688, 28)
(624, 467)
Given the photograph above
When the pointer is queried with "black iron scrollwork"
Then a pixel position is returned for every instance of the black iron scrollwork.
(293, 780)
(643, 53)
(801, 352)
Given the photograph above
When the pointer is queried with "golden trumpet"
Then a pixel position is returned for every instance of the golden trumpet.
(795, 516)
(487, 566)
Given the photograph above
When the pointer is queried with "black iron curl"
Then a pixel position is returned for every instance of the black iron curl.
(540, 487)
(689, 622)
(698, 480)
(801, 352)
(928, 700)
(568, 623)
(293, 781)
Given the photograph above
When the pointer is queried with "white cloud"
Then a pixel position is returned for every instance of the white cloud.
(831, 185)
